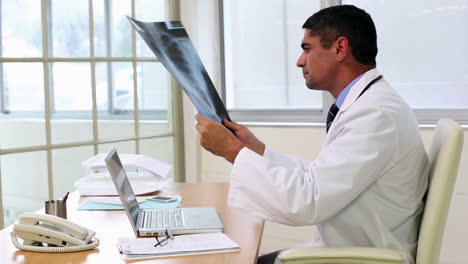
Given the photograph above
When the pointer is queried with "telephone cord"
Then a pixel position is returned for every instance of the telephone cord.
(92, 245)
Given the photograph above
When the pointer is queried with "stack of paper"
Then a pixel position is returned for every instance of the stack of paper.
(130, 162)
(131, 248)
(146, 175)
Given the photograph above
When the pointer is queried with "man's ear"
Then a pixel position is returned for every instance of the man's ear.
(342, 48)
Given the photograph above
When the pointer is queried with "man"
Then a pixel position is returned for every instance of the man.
(366, 186)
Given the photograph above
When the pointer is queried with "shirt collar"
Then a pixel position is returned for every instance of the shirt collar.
(344, 93)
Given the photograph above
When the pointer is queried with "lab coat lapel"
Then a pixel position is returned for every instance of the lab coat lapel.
(354, 93)
(357, 89)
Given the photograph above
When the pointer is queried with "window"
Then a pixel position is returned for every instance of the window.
(261, 47)
(421, 53)
(69, 58)
(76, 80)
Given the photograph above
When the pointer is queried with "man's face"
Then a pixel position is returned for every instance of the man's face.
(318, 64)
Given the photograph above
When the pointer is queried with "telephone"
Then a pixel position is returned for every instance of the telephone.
(60, 234)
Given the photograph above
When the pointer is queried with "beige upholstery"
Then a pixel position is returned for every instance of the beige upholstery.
(342, 255)
(444, 155)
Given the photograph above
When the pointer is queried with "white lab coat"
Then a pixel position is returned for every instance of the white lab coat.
(365, 187)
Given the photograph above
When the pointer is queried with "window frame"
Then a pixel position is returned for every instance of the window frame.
(112, 112)
(2, 89)
(282, 116)
(173, 113)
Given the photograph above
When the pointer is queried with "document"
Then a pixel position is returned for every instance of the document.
(170, 43)
(113, 203)
(130, 162)
(131, 248)
(146, 175)
(103, 185)
(112, 200)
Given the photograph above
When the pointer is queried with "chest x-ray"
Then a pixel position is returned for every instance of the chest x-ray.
(170, 43)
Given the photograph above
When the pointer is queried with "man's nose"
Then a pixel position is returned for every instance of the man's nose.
(300, 61)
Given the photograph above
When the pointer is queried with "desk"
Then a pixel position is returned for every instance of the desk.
(242, 228)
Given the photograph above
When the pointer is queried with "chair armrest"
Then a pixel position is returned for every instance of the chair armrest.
(342, 255)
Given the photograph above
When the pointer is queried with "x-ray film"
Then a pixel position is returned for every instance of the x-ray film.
(170, 43)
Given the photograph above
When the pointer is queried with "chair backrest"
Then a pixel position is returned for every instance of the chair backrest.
(444, 156)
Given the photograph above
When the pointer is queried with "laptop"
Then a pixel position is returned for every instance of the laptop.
(152, 222)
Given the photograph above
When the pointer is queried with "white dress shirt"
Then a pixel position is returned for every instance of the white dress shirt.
(364, 188)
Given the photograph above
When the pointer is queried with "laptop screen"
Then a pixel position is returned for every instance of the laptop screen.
(127, 196)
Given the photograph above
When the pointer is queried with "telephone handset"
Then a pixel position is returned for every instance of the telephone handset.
(61, 234)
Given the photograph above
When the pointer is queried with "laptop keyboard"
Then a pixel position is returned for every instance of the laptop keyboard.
(162, 218)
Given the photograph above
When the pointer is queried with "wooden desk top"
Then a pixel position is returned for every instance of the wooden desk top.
(243, 229)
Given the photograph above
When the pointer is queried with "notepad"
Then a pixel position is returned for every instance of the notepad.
(133, 248)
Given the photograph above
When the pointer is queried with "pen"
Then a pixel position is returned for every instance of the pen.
(65, 197)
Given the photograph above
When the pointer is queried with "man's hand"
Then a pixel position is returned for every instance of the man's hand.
(247, 138)
(217, 139)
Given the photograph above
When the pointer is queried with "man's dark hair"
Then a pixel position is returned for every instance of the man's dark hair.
(348, 21)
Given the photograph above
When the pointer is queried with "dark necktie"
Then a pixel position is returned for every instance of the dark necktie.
(331, 115)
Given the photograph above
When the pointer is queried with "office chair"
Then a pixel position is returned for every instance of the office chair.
(444, 157)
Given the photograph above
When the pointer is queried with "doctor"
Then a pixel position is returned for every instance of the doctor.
(366, 186)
